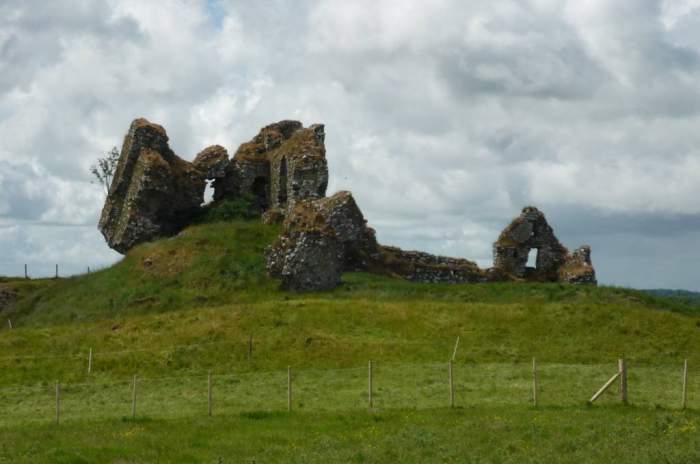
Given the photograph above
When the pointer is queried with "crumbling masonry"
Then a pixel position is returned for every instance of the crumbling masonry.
(155, 193)
(282, 173)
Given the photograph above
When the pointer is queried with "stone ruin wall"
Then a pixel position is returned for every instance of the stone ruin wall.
(339, 227)
(284, 173)
(155, 193)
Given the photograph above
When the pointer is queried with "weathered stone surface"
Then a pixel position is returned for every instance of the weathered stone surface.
(313, 263)
(418, 266)
(154, 192)
(529, 231)
(212, 162)
(340, 218)
(284, 163)
(343, 217)
(338, 224)
(578, 268)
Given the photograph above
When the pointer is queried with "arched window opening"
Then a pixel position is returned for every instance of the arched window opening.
(208, 192)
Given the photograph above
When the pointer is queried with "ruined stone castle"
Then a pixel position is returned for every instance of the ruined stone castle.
(282, 174)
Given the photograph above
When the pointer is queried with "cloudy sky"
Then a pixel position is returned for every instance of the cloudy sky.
(443, 117)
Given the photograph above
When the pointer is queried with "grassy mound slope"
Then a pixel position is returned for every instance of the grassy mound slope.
(208, 287)
(175, 309)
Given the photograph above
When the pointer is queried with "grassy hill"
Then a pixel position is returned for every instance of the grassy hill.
(174, 310)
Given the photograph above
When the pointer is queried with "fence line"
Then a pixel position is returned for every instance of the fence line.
(197, 373)
(54, 272)
(434, 385)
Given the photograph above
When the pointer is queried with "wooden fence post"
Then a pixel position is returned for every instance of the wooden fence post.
(26, 274)
(58, 402)
(604, 387)
(622, 365)
(369, 389)
(133, 400)
(534, 382)
(452, 387)
(289, 388)
(209, 393)
(90, 362)
(684, 400)
(454, 352)
(57, 271)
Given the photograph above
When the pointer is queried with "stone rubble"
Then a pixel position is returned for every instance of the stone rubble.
(418, 266)
(578, 268)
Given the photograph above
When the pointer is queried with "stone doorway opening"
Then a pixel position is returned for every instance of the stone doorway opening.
(259, 190)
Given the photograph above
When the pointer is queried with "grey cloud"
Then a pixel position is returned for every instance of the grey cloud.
(18, 198)
(584, 222)
(35, 35)
(542, 70)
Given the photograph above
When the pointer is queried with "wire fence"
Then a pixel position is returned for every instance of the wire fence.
(393, 386)
(55, 271)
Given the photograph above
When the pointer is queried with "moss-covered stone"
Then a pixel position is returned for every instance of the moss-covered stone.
(418, 266)
(339, 219)
(335, 223)
(578, 268)
(284, 163)
(212, 161)
(530, 231)
(154, 192)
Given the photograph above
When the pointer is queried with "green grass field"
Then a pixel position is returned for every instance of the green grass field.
(176, 309)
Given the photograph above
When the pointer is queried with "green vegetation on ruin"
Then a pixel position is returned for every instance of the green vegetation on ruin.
(177, 308)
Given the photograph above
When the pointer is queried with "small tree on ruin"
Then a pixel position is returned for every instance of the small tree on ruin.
(105, 168)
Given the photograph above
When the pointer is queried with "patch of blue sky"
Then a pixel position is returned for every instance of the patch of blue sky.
(216, 12)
